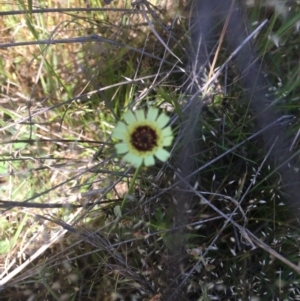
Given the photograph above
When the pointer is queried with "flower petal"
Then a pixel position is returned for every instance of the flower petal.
(122, 148)
(134, 160)
(140, 115)
(167, 141)
(162, 120)
(129, 117)
(119, 131)
(149, 161)
(152, 114)
(167, 132)
(162, 155)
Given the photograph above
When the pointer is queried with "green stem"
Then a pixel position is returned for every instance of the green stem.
(137, 171)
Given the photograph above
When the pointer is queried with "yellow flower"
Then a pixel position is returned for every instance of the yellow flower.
(143, 137)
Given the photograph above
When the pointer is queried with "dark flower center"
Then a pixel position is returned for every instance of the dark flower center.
(144, 138)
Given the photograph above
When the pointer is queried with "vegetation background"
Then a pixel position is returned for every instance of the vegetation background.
(219, 220)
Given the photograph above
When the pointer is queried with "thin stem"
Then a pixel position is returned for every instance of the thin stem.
(137, 171)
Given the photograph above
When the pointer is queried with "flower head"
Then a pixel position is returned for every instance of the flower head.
(143, 137)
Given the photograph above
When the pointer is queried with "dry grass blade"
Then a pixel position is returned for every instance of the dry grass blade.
(54, 239)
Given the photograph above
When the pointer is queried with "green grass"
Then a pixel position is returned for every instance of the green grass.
(174, 239)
